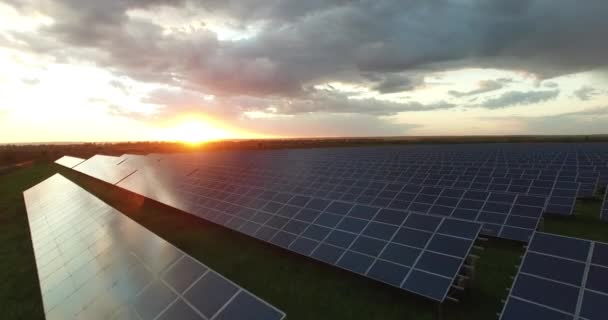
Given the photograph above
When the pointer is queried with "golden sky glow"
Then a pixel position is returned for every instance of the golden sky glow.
(178, 71)
(195, 129)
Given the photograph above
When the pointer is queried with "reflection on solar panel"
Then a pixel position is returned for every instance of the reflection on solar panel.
(159, 182)
(419, 253)
(105, 168)
(95, 263)
(560, 278)
(69, 162)
(604, 212)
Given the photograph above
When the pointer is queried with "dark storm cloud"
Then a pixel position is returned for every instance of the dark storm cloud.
(302, 43)
(517, 98)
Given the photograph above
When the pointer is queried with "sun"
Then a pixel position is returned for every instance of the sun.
(194, 132)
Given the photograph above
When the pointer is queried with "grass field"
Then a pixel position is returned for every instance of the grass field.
(303, 288)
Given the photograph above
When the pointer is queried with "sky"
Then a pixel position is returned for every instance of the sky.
(127, 70)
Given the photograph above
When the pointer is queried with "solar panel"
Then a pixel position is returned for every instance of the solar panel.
(95, 263)
(516, 223)
(159, 182)
(69, 162)
(105, 168)
(419, 253)
(604, 212)
(560, 278)
(503, 215)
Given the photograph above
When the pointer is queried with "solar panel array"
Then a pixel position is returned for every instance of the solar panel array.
(604, 212)
(69, 162)
(419, 253)
(379, 211)
(105, 168)
(560, 278)
(95, 263)
(504, 215)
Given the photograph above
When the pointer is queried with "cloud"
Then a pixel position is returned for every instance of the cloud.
(392, 83)
(327, 125)
(329, 102)
(30, 81)
(586, 93)
(120, 86)
(517, 98)
(484, 87)
(386, 46)
(299, 44)
(550, 84)
(589, 121)
(175, 102)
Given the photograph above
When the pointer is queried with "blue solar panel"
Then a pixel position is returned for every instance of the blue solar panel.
(604, 212)
(364, 239)
(95, 263)
(504, 215)
(345, 206)
(560, 278)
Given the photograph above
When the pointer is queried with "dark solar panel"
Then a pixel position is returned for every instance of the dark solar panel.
(364, 239)
(95, 263)
(604, 212)
(560, 278)
(504, 215)
(69, 162)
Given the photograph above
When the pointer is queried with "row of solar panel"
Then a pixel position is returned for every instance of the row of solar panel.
(562, 196)
(426, 166)
(588, 184)
(503, 215)
(416, 163)
(444, 152)
(418, 253)
(95, 263)
(467, 168)
(560, 278)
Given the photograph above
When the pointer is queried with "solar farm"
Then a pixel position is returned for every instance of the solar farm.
(461, 231)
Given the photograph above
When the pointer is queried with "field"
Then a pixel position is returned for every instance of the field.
(303, 288)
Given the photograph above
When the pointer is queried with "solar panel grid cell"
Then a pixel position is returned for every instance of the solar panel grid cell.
(560, 278)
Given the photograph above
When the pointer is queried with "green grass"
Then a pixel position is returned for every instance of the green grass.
(303, 288)
(19, 290)
(585, 223)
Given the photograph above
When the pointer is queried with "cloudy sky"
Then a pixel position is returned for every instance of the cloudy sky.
(91, 70)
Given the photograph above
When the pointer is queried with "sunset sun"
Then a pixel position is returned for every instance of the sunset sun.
(196, 131)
